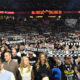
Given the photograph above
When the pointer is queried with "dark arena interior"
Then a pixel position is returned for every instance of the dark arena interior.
(39, 39)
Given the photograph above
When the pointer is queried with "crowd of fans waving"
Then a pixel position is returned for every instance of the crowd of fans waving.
(16, 63)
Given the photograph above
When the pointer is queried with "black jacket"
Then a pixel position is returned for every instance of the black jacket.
(42, 70)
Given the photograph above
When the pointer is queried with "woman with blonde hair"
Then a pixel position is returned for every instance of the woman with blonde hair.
(42, 67)
(26, 69)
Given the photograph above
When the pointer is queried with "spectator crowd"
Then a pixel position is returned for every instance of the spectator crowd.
(28, 59)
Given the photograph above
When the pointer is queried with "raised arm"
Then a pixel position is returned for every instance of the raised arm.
(57, 60)
(77, 60)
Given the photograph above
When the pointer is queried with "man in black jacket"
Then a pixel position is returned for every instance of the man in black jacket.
(67, 67)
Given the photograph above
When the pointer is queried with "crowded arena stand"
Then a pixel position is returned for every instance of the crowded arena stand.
(39, 40)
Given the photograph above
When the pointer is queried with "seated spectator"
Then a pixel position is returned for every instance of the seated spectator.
(26, 69)
(4, 74)
(15, 57)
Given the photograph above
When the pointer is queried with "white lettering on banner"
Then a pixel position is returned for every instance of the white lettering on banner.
(69, 77)
(15, 42)
(77, 43)
(69, 43)
(56, 52)
(31, 41)
(31, 49)
(34, 49)
(40, 50)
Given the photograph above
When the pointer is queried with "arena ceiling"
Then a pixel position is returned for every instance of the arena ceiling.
(27, 5)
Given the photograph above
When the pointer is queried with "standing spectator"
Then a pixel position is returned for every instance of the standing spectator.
(26, 69)
(26, 45)
(0, 55)
(15, 57)
(21, 53)
(42, 67)
(4, 74)
(3, 50)
(77, 72)
(32, 58)
(52, 62)
(11, 65)
(17, 47)
(67, 68)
